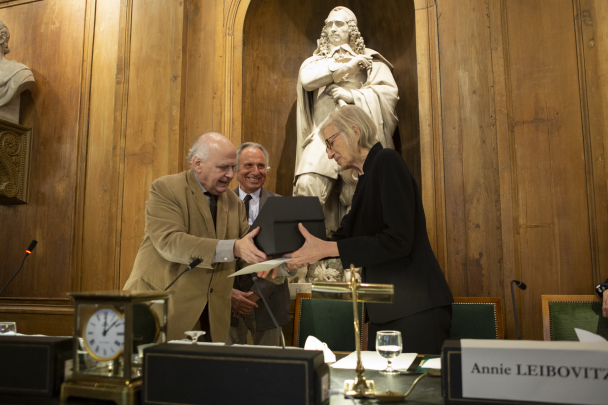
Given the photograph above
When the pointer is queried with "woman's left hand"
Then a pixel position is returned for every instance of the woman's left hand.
(314, 249)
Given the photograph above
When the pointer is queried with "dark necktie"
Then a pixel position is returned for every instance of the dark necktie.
(212, 205)
(246, 200)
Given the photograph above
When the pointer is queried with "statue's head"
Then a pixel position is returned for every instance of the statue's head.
(4, 36)
(340, 29)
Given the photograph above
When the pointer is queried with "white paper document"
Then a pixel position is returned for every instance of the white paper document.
(264, 266)
(586, 336)
(373, 361)
(535, 371)
(312, 343)
(432, 363)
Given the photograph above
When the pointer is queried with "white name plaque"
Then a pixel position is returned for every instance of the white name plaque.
(525, 370)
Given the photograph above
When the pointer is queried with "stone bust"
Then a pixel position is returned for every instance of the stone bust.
(341, 71)
(15, 78)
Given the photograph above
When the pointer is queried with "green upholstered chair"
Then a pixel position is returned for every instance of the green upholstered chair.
(477, 318)
(329, 321)
(563, 313)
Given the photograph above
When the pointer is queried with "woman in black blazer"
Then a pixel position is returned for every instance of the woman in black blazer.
(385, 234)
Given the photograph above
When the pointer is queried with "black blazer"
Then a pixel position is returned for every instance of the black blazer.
(385, 233)
(277, 295)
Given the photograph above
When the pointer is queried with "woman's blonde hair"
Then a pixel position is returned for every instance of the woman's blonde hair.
(344, 119)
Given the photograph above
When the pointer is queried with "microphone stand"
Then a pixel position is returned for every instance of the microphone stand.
(254, 278)
(522, 286)
(27, 253)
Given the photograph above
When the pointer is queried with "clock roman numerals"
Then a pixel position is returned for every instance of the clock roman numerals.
(105, 331)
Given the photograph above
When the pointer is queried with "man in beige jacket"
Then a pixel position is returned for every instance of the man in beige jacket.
(180, 228)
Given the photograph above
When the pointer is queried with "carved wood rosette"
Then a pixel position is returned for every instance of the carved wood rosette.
(15, 142)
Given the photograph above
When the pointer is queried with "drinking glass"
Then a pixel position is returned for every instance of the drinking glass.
(8, 328)
(194, 335)
(388, 345)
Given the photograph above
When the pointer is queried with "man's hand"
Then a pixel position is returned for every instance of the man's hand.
(338, 93)
(605, 304)
(243, 302)
(314, 249)
(246, 250)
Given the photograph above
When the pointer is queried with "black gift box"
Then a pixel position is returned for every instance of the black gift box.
(212, 374)
(451, 379)
(33, 365)
(279, 220)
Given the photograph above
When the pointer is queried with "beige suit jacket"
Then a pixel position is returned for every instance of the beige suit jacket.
(179, 229)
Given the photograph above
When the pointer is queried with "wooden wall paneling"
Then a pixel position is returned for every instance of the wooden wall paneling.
(505, 156)
(469, 136)
(153, 145)
(85, 86)
(53, 49)
(587, 143)
(99, 236)
(549, 160)
(47, 317)
(54, 108)
(431, 145)
(592, 20)
(205, 70)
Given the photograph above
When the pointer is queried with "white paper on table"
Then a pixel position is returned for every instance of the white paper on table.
(373, 361)
(432, 363)
(312, 343)
(586, 336)
(264, 266)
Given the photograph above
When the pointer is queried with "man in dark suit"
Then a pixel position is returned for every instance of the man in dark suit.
(248, 310)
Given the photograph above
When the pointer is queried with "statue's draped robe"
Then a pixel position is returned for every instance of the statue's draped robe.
(378, 97)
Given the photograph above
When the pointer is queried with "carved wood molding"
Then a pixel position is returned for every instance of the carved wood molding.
(233, 48)
(37, 306)
(15, 144)
(11, 3)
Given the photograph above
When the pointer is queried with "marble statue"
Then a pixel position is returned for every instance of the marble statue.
(15, 78)
(341, 71)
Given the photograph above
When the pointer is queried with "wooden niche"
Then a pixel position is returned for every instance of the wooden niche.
(278, 35)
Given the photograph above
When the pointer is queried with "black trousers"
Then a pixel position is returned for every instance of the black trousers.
(422, 333)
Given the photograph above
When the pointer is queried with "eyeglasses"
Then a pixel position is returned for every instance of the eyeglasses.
(330, 144)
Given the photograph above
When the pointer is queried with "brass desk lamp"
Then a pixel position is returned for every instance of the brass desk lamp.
(342, 291)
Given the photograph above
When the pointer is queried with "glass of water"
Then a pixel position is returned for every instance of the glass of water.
(388, 345)
(8, 328)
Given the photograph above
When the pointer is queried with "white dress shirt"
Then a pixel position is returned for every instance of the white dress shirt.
(254, 204)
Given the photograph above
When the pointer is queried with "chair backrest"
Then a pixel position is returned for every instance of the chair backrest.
(563, 313)
(477, 318)
(331, 322)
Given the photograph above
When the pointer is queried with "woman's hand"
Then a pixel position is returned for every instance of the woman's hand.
(314, 249)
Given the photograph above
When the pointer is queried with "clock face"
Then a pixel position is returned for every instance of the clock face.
(105, 334)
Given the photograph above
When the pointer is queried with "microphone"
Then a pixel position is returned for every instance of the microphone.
(194, 263)
(31, 247)
(522, 286)
(254, 278)
(28, 252)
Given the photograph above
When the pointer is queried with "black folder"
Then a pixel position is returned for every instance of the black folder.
(279, 218)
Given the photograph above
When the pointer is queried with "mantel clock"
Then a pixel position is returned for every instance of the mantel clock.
(110, 331)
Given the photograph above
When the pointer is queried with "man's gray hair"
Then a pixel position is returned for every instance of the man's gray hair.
(200, 149)
(250, 145)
